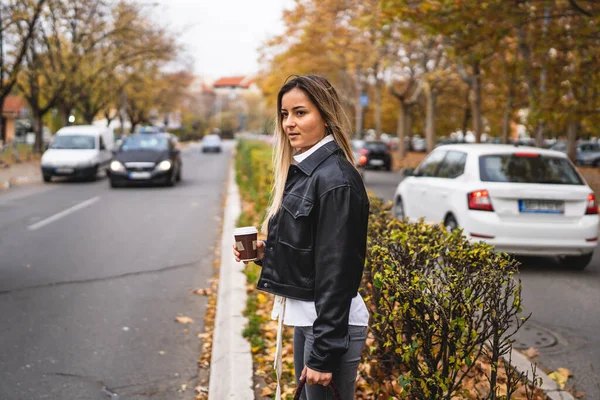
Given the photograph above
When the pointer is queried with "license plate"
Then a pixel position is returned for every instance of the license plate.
(64, 170)
(376, 162)
(542, 206)
(140, 175)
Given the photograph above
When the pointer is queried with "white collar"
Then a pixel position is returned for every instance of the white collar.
(303, 156)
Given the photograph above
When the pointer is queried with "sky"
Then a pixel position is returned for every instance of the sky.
(221, 36)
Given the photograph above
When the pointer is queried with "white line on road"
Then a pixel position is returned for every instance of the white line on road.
(63, 213)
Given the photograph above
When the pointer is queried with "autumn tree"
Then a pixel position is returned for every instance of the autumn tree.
(19, 20)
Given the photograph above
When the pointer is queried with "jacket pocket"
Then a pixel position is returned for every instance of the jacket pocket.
(296, 227)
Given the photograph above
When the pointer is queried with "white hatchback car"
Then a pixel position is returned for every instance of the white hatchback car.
(521, 200)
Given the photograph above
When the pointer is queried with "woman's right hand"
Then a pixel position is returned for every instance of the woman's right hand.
(260, 251)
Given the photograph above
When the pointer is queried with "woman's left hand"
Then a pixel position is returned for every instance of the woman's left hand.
(315, 377)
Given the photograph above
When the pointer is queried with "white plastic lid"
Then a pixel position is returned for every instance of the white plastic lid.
(246, 230)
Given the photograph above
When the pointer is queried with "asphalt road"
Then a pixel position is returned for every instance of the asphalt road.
(564, 307)
(92, 279)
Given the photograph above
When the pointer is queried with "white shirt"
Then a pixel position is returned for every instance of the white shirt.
(304, 313)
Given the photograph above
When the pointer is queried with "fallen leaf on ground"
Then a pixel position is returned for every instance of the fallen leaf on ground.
(183, 388)
(267, 391)
(202, 292)
(560, 376)
(201, 389)
(184, 320)
(531, 352)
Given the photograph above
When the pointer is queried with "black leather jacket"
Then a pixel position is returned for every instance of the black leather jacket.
(315, 249)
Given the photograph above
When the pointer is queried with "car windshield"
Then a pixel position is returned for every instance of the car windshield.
(377, 146)
(530, 168)
(74, 142)
(560, 146)
(211, 139)
(145, 142)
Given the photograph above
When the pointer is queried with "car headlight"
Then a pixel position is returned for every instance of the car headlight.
(117, 166)
(164, 165)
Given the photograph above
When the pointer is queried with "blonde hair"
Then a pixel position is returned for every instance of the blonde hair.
(324, 96)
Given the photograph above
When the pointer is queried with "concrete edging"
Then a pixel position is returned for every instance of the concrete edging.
(551, 388)
(231, 358)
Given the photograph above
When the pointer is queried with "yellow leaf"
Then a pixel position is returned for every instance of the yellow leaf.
(531, 352)
(267, 391)
(184, 320)
(560, 376)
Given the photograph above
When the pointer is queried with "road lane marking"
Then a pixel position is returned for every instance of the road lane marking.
(63, 214)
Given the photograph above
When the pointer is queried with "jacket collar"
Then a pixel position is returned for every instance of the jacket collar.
(311, 163)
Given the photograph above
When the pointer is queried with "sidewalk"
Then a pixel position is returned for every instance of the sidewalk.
(18, 174)
(231, 360)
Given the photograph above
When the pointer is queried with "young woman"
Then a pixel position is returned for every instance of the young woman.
(316, 229)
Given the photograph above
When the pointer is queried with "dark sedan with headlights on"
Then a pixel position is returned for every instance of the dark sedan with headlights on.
(146, 158)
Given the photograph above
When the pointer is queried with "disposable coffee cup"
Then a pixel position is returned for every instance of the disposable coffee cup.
(245, 240)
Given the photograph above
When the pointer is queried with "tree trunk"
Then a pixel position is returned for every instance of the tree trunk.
(65, 113)
(89, 117)
(378, 85)
(357, 106)
(401, 130)
(38, 129)
(1, 121)
(467, 115)
(408, 117)
(476, 102)
(507, 114)
(572, 138)
(431, 99)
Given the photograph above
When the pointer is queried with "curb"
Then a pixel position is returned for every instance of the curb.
(231, 358)
(18, 180)
(550, 388)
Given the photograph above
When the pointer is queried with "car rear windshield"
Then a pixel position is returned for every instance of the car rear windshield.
(376, 146)
(145, 142)
(74, 142)
(530, 168)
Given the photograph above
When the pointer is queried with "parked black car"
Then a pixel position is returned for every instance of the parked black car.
(378, 155)
(146, 158)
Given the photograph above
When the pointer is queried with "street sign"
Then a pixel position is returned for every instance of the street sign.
(364, 100)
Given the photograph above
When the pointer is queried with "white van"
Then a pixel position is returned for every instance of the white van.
(78, 151)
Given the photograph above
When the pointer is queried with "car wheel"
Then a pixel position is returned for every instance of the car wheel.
(596, 163)
(450, 223)
(94, 174)
(113, 184)
(399, 209)
(47, 178)
(178, 175)
(388, 167)
(576, 262)
(172, 180)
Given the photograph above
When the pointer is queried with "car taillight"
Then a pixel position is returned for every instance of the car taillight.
(362, 160)
(592, 206)
(364, 152)
(480, 200)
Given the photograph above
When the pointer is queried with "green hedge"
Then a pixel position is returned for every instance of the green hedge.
(254, 176)
(438, 303)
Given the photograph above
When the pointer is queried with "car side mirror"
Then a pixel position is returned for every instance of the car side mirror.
(408, 172)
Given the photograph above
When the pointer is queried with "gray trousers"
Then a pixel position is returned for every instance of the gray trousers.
(344, 377)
